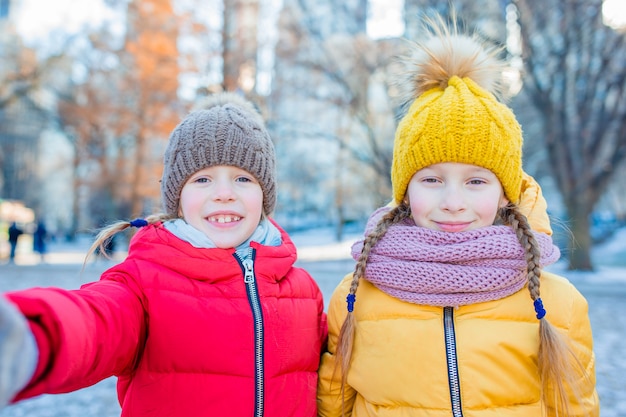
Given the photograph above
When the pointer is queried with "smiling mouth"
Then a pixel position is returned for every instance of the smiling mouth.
(224, 219)
(452, 227)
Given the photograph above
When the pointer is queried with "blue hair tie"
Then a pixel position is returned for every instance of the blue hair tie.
(541, 312)
(351, 298)
(139, 223)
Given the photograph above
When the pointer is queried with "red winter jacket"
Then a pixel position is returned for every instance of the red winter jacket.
(182, 330)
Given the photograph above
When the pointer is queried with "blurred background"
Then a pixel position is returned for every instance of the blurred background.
(90, 90)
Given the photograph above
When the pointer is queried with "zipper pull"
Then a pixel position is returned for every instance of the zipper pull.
(248, 276)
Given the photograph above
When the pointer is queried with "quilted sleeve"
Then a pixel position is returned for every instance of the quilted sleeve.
(83, 335)
(570, 315)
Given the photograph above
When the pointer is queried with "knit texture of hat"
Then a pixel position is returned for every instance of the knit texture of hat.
(225, 130)
(453, 114)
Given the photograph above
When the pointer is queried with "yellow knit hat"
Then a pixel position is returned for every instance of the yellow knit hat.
(452, 115)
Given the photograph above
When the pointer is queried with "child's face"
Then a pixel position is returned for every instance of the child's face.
(223, 202)
(453, 197)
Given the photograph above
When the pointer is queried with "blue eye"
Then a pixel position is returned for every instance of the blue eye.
(243, 179)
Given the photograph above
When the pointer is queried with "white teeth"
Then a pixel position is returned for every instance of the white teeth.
(224, 219)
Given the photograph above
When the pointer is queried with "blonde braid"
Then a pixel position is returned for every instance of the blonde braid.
(346, 334)
(558, 364)
(111, 230)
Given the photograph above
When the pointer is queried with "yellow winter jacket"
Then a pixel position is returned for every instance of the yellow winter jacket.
(403, 353)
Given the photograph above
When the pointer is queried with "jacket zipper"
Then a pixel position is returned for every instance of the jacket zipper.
(452, 360)
(247, 266)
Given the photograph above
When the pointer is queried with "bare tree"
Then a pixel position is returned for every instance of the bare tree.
(118, 117)
(26, 109)
(575, 74)
(487, 16)
(151, 61)
(91, 115)
(331, 94)
(240, 44)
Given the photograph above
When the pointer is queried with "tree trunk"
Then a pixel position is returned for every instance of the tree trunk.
(136, 201)
(240, 42)
(574, 72)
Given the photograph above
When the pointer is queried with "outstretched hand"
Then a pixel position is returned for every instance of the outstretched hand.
(18, 352)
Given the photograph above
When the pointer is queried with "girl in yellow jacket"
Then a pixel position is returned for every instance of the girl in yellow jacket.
(448, 312)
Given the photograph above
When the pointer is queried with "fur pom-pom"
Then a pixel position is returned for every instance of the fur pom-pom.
(446, 52)
(222, 99)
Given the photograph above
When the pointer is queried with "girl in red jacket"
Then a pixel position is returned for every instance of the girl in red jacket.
(207, 316)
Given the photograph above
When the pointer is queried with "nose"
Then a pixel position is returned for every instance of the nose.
(452, 199)
(223, 191)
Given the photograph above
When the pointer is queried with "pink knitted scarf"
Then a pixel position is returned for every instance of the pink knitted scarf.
(424, 266)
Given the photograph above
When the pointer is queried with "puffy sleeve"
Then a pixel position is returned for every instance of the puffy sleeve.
(329, 383)
(582, 344)
(583, 400)
(83, 335)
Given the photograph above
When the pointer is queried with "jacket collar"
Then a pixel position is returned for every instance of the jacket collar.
(156, 245)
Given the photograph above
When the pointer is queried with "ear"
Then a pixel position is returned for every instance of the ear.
(503, 201)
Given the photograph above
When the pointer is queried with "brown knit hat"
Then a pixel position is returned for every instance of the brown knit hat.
(224, 130)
